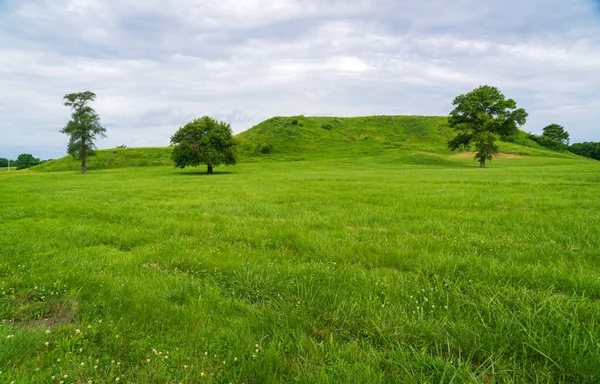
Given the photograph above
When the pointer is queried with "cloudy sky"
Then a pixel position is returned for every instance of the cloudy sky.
(156, 64)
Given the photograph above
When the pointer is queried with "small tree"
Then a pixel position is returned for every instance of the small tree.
(556, 132)
(84, 126)
(481, 117)
(26, 160)
(204, 141)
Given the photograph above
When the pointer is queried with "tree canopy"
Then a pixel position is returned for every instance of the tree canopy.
(556, 132)
(84, 126)
(204, 141)
(26, 160)
(481, 117)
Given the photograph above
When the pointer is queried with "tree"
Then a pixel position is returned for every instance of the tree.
(26, 160)
(557, 132)
(481, 117)
(3, 162)
(204, 141)
(84, 126)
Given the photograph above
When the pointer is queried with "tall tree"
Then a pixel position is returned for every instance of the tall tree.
(556, 132)
(481, 117)
(84, 126)
(204, 141)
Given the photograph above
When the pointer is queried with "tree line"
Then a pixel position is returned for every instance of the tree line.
(23, 161)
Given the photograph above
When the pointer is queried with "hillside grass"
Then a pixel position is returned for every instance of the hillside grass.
(299, 138)
(394, 269)
(111, 159)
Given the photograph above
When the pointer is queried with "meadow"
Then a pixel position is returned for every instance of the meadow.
(401, 268)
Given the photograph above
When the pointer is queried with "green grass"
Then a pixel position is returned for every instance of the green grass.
(111, 159)
(299, 138)
(407, 266)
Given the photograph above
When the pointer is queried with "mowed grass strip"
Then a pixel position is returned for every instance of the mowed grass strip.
(385, 269)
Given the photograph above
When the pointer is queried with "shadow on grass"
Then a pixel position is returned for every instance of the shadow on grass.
(202, 173)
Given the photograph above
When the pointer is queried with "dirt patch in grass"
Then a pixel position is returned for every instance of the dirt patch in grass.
(52, 314)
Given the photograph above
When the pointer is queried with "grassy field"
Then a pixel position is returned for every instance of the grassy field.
(403, 267)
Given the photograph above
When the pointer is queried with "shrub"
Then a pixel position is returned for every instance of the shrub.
(264, 148)
(547, 142)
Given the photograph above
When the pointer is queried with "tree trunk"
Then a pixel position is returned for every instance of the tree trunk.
(482, 163)
(209, 170)
(83, 157)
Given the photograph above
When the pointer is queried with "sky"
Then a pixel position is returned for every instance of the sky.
(158, 64)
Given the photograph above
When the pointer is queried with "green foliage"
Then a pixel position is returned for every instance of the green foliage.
(204, 141)
(480, 118)
(84, 126)
(586, 149)
(548, 142)
(26, 160)
(557, 133)
(4, 162)
(121, 146)
(264, 148)
(399, 268)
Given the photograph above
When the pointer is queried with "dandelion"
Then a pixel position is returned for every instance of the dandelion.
(82, 363)
(89, 381)
(185, 367)
(148, 361)
(201, 373)
(78, 331)
(205, 353)
(117, 379)
(10, 336)
(256, 350)
(224, 362)
(235, 359)
(445, 307)
(117, 336)
(65, 376)
(80, 350)
(90, 326)
(58, 360)
(47, 331)
(47, 343)
(433, 306)
(382, 305)
(52, 377)
(95, 367)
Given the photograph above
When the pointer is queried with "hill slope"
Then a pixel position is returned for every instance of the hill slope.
(111, 158)
(300, 137)
(304, 138)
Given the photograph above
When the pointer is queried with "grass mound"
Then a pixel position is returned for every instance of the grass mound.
(408, 139)
(110, 159)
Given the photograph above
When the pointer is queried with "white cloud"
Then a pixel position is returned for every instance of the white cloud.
(156, 65)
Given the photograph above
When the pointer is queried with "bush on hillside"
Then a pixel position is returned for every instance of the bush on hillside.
(263, 148)
(547, 142)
